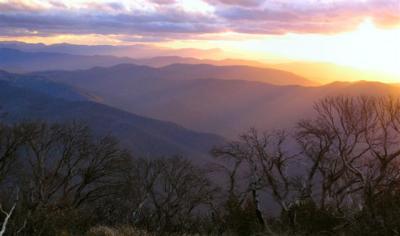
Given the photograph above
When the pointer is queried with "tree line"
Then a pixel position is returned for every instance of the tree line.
(336, 173)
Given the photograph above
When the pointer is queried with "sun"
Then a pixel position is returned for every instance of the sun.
(367, 47)
(370, 48)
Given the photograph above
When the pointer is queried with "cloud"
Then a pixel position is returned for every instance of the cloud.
(105, 7)
(19, 5)
(107, 19)
(243, 3)
(278, 17)
(162, 2)
(159, 20)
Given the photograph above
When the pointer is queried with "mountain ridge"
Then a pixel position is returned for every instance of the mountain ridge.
(226, 107)
(145, 136)
(193, 71)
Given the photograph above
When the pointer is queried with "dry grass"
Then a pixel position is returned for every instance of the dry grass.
(131, 231)
(116, 231)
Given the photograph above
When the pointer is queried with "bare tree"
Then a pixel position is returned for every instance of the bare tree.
(7, 216)
(11, 140)
(353, 147)
(62, 168)
(263, 158)
(172, 191)
(68, 166)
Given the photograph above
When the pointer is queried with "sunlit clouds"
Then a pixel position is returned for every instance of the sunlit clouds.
(173, 17)
(359, 33)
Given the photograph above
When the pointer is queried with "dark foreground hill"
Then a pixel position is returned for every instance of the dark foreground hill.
(144, 136)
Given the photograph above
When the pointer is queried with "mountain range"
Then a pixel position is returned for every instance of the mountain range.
(223, 106)
(162, 105)
(19, 61)
(29, 98)
(23, 57)
(132, 51)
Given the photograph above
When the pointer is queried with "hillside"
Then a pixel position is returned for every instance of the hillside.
(132, 51)
(123, 73)
(142, 135)
(21, 61)
(328, 72)
(226, 107)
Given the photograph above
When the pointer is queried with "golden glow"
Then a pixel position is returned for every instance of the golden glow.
(87, 39)
(368, 48)
(195, 6)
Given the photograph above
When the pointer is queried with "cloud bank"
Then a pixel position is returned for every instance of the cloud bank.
(158, 20)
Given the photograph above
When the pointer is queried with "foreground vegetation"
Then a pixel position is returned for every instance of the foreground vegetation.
(335, 174)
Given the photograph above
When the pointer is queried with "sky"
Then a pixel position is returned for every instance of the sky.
(363, 34)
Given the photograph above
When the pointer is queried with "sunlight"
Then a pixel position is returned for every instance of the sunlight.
(367, 48)
(370, 48)
(195, 6)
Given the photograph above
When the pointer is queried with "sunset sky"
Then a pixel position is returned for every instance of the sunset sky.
(359, 33)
